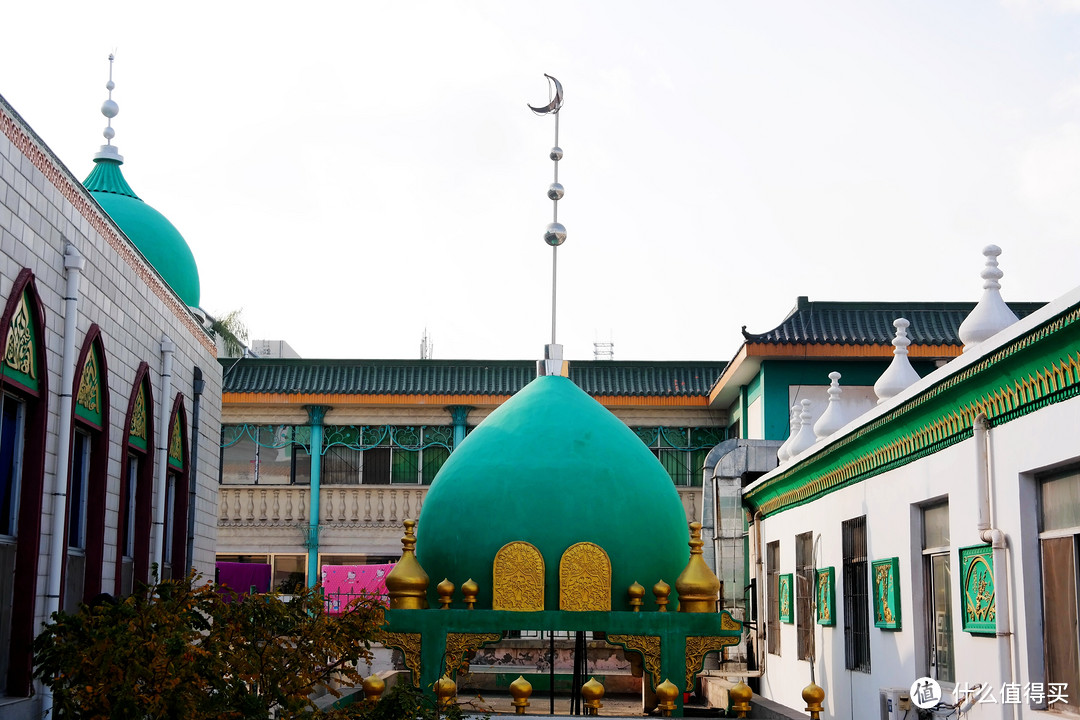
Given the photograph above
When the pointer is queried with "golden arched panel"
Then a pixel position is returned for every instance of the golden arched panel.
(518, 578)
(584, 578)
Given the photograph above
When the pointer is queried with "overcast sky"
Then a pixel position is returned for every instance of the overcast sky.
(351, 173)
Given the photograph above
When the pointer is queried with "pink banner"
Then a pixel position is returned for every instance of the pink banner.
(341, 583)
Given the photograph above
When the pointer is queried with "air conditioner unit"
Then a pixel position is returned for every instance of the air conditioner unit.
(895, 703)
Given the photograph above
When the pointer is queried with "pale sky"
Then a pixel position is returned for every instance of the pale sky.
(351, 173)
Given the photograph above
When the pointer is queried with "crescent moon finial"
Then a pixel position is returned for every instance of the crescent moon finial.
(556, 103)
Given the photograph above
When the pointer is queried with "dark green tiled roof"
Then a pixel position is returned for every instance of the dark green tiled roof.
(871, 323)
(461, 377)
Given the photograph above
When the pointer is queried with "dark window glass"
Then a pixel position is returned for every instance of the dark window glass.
(341, 466)
(856, 596)
(11, 449)
(772, 563)
(804, 593)
(377, 466)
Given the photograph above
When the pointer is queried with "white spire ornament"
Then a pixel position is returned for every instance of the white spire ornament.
(805, 437)
(109, 109)
(783, 453)
(899, 375)
(834, 416)
(991, 315)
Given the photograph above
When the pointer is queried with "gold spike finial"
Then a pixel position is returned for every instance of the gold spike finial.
(697, 585)
(407, 583)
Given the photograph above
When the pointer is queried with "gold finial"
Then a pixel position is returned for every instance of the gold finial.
(592, 691)
(636, 593)
(446, 593)
(445, 691)
(697, 585)
(373, 688)
(407, 583)
(740, 696)
(666, 693)
(469, 588)
(521, 690)
(661, 590)
(813, 695)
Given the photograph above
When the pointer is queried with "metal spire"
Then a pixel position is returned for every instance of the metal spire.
(555, 233)
(109, 109)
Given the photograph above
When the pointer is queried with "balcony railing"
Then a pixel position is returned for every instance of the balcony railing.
(362, 505)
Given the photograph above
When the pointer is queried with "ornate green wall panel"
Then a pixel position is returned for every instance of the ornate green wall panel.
(826, 596)
(786, 598)
(979, 612)
(886, 585)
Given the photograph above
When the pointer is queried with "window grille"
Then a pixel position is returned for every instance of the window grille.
(772, 562)
(804, 594)
(856, 596)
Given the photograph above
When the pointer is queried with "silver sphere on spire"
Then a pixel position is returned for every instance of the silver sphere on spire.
(555, 234)
(109, 133)
(555, 191)
(109, 108)
(556, 153)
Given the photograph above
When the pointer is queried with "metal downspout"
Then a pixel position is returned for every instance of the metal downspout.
(999, 542)
(197, 387)
(73, 265)
(168, 347)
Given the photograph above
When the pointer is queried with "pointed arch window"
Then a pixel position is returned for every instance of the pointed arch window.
(136, 487)
(23, 418)
(88, 476)
(174, 533)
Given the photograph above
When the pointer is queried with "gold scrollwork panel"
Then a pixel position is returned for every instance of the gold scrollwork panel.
(696, 650)
(408, 643)
(648, 646)
(584, 578)
(518, 578)
(459, 644)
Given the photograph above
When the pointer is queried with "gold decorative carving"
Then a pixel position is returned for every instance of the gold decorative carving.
(518, 578)
(176, 443)
(138, 415)
(882, 582)
(408, 643)
(696, 650)
(584, 578)
(729, 623)
(19, 352)
(460, 644)
(648, 646)
(90, 385)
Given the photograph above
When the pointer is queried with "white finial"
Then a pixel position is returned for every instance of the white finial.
(109, 109)
(834, 416)
(783, 453)
(899, 375)
(991, 315)
(805, 437)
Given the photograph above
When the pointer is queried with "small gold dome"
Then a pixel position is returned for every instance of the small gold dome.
(407, 583)
(697, 585)
(592, 690)
(469, 588)
(636, 592)
(813, 695)
(521, 688)
(740, 696)
(445, 690)
(373, 687)
(662, 591)
(666, 693)
(446, 593)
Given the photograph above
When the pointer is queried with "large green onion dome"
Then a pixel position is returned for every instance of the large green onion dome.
(552, 467)
(155, 237)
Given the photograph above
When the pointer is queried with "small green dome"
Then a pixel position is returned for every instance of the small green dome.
(553, 467)
(155, 237)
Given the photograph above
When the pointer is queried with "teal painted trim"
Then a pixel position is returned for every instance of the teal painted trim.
(459, 415)
(744, 410)
(316, 413)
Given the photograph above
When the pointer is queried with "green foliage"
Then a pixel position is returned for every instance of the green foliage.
(404, 701)
(177, 650)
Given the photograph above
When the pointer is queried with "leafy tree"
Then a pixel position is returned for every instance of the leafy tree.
(179, 650)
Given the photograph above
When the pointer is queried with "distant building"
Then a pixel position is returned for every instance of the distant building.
(273, 349)
(109, 398)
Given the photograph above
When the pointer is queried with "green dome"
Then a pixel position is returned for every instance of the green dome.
(155, 237)
(553, 467)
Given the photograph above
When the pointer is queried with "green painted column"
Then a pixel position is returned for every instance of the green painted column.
(458, 415)
(316, 413)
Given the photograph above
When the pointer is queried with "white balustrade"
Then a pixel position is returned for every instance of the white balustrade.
(349, 505)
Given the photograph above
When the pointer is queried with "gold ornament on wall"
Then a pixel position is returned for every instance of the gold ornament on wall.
(648, 646)
(518, 578)
(409, 645)
(697, 585)
(584, 578)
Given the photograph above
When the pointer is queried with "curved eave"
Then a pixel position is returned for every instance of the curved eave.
(474, 400)
(747, 361)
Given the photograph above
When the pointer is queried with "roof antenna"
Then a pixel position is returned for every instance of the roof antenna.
(109, 109)
(555, 233)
